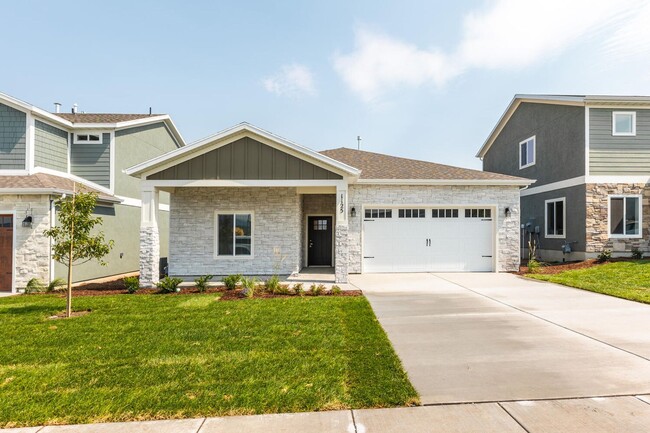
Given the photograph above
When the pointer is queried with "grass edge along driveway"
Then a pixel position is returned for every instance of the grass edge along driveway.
(138, 357)
(625, 279)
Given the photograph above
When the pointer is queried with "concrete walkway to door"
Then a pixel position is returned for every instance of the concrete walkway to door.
(499, 337)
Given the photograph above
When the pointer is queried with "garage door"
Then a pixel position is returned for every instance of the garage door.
(428, 239)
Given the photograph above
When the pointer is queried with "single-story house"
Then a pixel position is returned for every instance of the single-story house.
(247, 201)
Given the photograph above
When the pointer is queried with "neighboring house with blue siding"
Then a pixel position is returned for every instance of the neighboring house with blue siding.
(42, 155)
(590, 156)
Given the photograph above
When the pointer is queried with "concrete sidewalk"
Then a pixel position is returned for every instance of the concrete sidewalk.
(592, 415)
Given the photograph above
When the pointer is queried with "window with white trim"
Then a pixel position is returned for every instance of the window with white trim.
(88, 137)
(625, 216)
(234, 233)
(555, 217)
(624, 123)
(527, 152)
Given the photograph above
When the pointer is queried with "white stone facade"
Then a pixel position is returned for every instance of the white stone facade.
(149, 256)
(499, 196)
(31, 248)
(276, 231)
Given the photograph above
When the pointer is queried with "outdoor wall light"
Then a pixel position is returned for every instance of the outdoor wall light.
(507, 212)
(353, 212)
(27, 222)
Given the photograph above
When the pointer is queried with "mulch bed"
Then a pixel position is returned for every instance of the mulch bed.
(117, 287)
(556, 268)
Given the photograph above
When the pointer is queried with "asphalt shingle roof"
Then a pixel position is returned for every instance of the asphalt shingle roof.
(380, 166)
(102, 117)
(46, 182)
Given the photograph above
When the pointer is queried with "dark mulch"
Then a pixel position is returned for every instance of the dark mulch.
(556, 268)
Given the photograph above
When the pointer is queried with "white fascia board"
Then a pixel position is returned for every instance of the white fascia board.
(514, 104)
(495, 182)
(223, 183)
(194, 149)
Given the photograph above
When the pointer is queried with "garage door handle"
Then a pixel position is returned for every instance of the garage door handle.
(368, 257)
(368, 220)
(486, 256)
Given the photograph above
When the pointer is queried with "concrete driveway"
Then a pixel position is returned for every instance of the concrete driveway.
(499, 337)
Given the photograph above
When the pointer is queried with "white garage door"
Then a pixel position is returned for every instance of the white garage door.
(428, 239)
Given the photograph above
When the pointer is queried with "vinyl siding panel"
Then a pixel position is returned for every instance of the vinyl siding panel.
(245, 159)
(92, 161)
(51, 149)
(616, 155)
(13, 135)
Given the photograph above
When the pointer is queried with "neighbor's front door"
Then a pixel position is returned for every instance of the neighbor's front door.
(6, 251)
(319, 241)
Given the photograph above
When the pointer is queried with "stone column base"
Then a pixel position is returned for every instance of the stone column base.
(341, 254)
(149, 256)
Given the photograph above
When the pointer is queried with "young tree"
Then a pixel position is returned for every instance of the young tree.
(73, 243)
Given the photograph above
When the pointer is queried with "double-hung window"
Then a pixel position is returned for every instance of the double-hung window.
(555, 218)
(624, 123)
(234, 234)
(527, 152)
(625, 216)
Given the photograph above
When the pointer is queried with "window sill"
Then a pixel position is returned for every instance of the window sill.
(521, 167)
(555, 236)
(625, 236)
(234, 257)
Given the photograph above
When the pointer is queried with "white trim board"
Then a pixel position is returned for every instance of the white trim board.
(580, 180)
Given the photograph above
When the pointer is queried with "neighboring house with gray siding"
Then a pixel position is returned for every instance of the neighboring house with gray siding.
(590, 157)
(250, 202)
(42, 155)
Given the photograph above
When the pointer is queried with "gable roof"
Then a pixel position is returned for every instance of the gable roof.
(103, 117)
(578, 100)
(226, 136)
(380, 168)
(43, 183)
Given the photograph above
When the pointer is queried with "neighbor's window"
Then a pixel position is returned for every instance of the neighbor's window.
(624, 123)
(88, 138)
(527, 153)
(625, 216)
(555, 218)
(234, 234)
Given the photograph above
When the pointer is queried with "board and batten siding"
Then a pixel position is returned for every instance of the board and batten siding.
(51, 149)
(92, 161)
(13, 134)
(618, 155)
(245, 159)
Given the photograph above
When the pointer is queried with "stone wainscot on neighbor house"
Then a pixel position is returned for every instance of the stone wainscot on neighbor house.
(42, 156)
(590, 156)
(247, 201)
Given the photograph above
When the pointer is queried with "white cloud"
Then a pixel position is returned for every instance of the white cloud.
(508, 34)
(293, 80)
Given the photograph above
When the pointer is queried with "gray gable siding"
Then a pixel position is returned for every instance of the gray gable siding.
(245, 159)
(92, 161)
(615, 155)
(560, 143)
(51, 147)
(13, 134)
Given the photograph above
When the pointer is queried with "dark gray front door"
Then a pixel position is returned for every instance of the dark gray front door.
(319, 241)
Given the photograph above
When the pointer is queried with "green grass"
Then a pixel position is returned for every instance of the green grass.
(628, 279)
(162, 356)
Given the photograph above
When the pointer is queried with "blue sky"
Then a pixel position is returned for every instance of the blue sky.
(419, 79)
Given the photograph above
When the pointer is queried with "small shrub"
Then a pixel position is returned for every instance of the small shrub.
(605, 256)
(272, 284)
(534, 266)
(202, 282)
(132, 284)
(336, 290)
(282, 289)
(250, 285)
(55, 285)
(316, 290)
(299, 289)
(34, 285)
(637, 254)
(169, 284)
(231, 281)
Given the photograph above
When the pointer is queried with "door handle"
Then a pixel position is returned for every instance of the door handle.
(310, 244)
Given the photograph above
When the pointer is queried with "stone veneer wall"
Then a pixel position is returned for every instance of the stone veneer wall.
(315, 204)
(32, 248)
(276, 230)
(502, 196)
(598, 220)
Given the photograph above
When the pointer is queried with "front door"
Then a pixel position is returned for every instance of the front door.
(319, 241)
(6, 252)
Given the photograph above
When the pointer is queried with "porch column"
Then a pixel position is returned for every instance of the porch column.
(341, 234)
(149, 238)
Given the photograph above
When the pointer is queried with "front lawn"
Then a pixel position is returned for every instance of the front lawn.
(625, 279)
(172, 356)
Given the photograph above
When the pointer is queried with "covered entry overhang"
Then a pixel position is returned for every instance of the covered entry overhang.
(246, 165)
